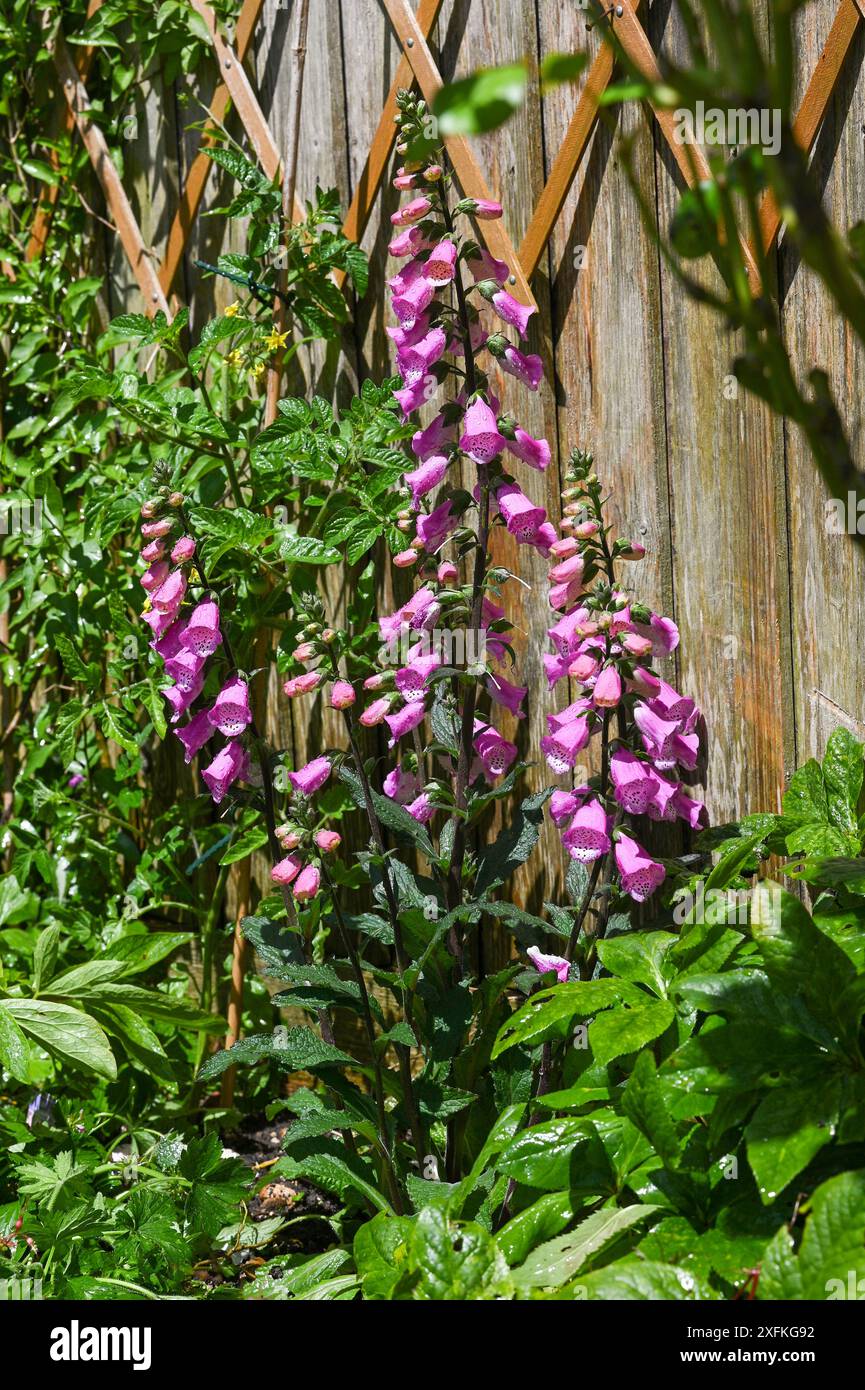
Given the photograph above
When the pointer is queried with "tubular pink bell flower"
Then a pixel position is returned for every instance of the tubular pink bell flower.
(480, 438)
(172, 640)
(486, 209)
(406, 558)
(543, 964)
(401, 786)
(231, 712)
(694, 812)
(535, 452)
(287, 870)
(184, 668)
(633, 783)
(154, 550)
(669, 704)
(640, 875)
(194, 735)
(527, 368)
(307, 883)
(496, 753)
(434, 528)
(342, 695)
(155, 530)
(512, 311)
(412, 212)
(416, 362)
(311, 777)
(327, 840)
(483, 266)
(202, 634)
(509, 696)
(522, 517)
(180, 700)
(375, 713)
(588, 835)
(411, 680)
(226, 767)
(154, 577)
(644, 682)
(441, 263)
(608, 688)
(405, 719)
(433, 439)
(169, 596)
(561, 748)
(662, 632)
(421, 809)
(408, 243)
(184, 549)
(426, 476)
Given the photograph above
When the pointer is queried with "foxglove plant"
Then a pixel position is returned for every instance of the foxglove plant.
(605, 643)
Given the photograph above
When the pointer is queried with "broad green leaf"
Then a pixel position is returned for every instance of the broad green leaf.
(381, 1253)
(14, 1048)
(625, 1028)
(638, 956)
(293, 1049)
(549, 1013)
(635, 1280)
(789, 1127)
(560, 1259)
(831, 1256)
(68, 1034)
(558, 1154)
(646, 1101)
(512, 847)
(455, 1261)
(542, 1220)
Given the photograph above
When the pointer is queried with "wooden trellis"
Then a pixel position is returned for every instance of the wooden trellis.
(416, 67)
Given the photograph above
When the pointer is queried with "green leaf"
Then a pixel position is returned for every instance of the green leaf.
(14, 1049)
(481, 102)
(626, 1028)
(646, 1101)
(293, 1049)
(381, 1253)
(549, 1013)
(640, 957)
(252, 839)
(542, 1220)
(512, 846)
(556, 1261)
(561, 67)
(305, 550)
(248, 175)
(558, 1154)
(635, 1280)
(113, 723)
(799, 959)
(805, 798)
(831, 1255)
(455, 1261)
(68, 1034)
(842, 774)
(789, 1127)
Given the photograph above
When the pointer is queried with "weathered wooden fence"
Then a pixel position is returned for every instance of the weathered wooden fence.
(722, 493)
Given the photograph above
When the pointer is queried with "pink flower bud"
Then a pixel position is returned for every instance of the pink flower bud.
(635, 551)
(184, 549)
(327, 840)
(406, 558)
(342, 695)
(446, 572)
(307, 883)
(305, 652)
(583, 529)
(286, 871)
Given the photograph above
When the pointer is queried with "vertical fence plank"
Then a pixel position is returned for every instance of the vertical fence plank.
(827, 571)
(725, 459)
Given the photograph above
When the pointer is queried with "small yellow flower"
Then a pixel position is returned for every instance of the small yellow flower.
(235, 358)
(232, 310)
(147, 605)
(259, 369)
(275, 340)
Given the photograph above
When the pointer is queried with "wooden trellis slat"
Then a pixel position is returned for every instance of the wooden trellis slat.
(199, 169)
(815, 102)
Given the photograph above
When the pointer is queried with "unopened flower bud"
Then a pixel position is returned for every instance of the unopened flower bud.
(584, 529)
(176, 499)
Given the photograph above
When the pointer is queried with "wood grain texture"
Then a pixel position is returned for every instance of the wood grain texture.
(827, 572)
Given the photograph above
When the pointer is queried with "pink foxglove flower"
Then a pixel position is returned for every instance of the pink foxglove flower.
(484, 266)
(375, 713)
(184, 668)
(327, 840)
(441, 263)
(405, 719)
(481, 438)
(411, 680)
(640, 874)
(486, 209)
(408, 243)
(183, 550)
(543, 964)
(527, 368)
(171, 642)
(416, 362)
(426, 476)
(435, 528)
(512, 311)
(434, 439)
(194, 735)
(155, 530)
(154, 550)
(521, 516)
(421, 809)
(342, 696)
(225, 769)
(180, 700)
(231, 712)
(311, 777)
(286, 870)
(692, 812)
(561, 748)
(633, 783)
(608, 688)
(534, 452)
(510, 697)
(307, 883)
(662, 632)
(155, 575)
(169, 596)
(401, 786)
(588, 835)
(496, 753)
(202, 634)
(411, 212)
